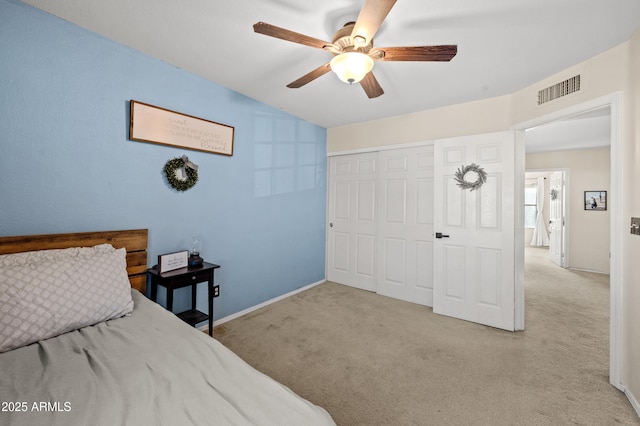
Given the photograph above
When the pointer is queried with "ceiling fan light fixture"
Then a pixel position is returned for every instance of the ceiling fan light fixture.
(352, 47)
(351, 67)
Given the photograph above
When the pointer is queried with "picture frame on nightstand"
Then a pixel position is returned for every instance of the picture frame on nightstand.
(170, 261)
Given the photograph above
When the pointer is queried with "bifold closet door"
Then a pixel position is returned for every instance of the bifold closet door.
(352, 216)
(380, 222)
(405, 224)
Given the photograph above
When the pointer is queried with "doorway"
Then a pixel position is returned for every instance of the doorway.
(614, 103)
(547, 213)
(589, 163)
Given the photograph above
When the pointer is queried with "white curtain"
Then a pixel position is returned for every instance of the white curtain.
(540, 236)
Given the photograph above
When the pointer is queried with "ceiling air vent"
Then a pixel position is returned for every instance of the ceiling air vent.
(559, 90)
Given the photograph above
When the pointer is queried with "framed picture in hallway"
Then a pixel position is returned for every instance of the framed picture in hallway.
(595, 200)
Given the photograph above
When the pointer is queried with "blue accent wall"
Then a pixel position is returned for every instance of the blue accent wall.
(67, 165)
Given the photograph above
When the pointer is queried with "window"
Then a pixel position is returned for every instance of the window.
(530, 206)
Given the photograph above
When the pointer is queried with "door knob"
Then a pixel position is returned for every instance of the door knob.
(441, 235)
(330, 224)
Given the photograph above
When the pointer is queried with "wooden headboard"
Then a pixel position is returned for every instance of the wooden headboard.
(134, 241)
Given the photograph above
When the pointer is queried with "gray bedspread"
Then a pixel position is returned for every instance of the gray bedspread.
(148, 368)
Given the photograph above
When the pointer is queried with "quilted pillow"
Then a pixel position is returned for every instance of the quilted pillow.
(50, 292)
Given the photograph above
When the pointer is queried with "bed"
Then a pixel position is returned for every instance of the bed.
(144, 366)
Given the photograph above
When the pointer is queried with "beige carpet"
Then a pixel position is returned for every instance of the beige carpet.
(373, 360)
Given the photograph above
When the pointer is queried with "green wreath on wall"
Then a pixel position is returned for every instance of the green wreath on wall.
(465, 184)
(181, 173)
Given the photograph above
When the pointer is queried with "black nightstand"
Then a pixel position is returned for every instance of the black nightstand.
(185, 277)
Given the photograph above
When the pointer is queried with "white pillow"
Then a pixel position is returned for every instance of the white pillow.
(50, 292)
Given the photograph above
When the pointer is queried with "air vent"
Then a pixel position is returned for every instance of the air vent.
(559, 90)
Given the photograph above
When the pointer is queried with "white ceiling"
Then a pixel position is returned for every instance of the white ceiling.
(581, 131)
(503, 46)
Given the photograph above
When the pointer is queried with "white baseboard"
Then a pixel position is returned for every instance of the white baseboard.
(634, 402)
(588, 270)
(205, 327)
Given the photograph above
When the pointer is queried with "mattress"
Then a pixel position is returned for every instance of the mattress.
(147, 368)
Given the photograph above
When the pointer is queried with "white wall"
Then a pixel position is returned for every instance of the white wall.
(486, 116)
(588, 230)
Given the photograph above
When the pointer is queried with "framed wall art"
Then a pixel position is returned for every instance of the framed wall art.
(595, 200)
(153, 124)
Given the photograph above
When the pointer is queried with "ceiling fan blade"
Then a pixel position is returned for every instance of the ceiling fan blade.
(370, 18)
(441, 53)
(288, 35)
(371, 86)
(309, 77)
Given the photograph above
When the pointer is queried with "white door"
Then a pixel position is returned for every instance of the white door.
(556, 218)
(405, 224)
(474, 261)
(351, 242)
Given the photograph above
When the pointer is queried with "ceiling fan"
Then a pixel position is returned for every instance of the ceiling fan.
(352, 47)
